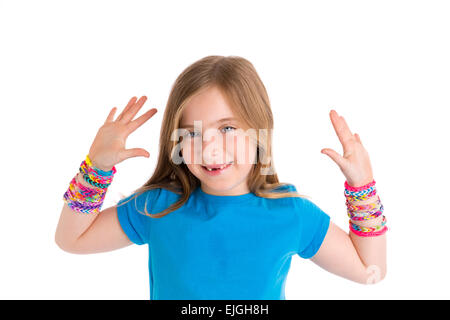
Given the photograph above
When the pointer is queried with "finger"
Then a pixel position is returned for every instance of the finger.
(336, 157)
(135, 152)
(129, 115)
(358, 138)
(133, 125)
(111, 115)
(129, 105)
(345, 126)
(340, 127)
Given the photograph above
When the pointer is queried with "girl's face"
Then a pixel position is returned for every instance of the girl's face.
(216, 139)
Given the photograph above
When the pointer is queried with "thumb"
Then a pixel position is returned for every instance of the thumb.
(135, 152)
(336, 157)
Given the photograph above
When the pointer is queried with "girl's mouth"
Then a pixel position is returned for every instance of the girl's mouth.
(216, 171)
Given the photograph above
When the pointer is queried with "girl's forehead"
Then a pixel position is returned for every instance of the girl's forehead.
(207, 121)
(207, 115)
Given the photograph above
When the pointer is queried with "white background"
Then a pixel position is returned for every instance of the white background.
(383, 65)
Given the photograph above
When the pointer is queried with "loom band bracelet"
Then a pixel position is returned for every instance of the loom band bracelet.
(359, 193)
(101, 172)
(369, 229)
(365, 212)
(368, 217)
(366, 230)
(91, 172)
(95, 184)
(359, 217)
(348, 187)
(368, 206)
(361, 198)
(370, 234)
(87, 200)
(81, 204)
(81, 210)
(371, 194)
(355, 206)
(358, 209)
(90, 194)
(93, 176)
(77, 193)
(100, 179)
(362, 190)
(85, 206)
(74, 205)
(80, 188)
(87, 190)
(96, 178)
(364, 206)
(74, 194)
(94, 199)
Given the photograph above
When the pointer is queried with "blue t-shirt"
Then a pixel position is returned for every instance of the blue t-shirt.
(222, 247)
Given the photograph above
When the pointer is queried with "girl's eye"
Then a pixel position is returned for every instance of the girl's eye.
(229, 127)
(193, 134)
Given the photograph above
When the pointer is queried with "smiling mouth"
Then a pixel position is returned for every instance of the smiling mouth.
(217, 167)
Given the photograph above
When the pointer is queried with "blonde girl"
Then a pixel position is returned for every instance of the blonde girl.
(217, 221)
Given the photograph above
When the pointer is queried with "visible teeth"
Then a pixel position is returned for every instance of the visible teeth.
(217, 168)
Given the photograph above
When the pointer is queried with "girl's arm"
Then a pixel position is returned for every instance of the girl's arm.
(81, 228)
(357, 258)
(89, 233)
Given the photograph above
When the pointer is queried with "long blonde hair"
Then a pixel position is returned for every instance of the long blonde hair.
(238, 81)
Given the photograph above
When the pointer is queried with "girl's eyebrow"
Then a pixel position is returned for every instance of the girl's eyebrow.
(218, 121)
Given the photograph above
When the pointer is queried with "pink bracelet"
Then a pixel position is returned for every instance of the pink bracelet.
(348, 187)
(369, 234)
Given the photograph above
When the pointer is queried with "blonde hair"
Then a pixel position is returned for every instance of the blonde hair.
(238, 81)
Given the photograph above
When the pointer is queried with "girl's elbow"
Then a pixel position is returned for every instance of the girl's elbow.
(372, 274)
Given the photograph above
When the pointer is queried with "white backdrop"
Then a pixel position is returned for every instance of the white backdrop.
(383, 65)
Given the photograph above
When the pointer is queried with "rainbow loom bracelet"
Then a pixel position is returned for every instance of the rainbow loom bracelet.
(96, 175)
(369, 234)
(360, 207)
(83, 199)
(75, 194)
(79, 202)
(363, 217)
(368, 229)
(365, 214)
(350, 188)
(366, 211)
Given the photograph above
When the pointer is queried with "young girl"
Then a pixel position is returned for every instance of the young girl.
(217, 221)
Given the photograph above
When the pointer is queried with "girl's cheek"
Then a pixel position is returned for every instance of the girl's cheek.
(244, 149)
(192, 152)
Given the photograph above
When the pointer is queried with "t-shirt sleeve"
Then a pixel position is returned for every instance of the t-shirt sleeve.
(135, 224)
(314, 223)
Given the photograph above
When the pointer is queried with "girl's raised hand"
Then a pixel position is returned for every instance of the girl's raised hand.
(355, 163)
(108, 148)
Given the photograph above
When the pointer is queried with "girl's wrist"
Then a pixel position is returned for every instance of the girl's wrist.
(95, 164)
(365, 210)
